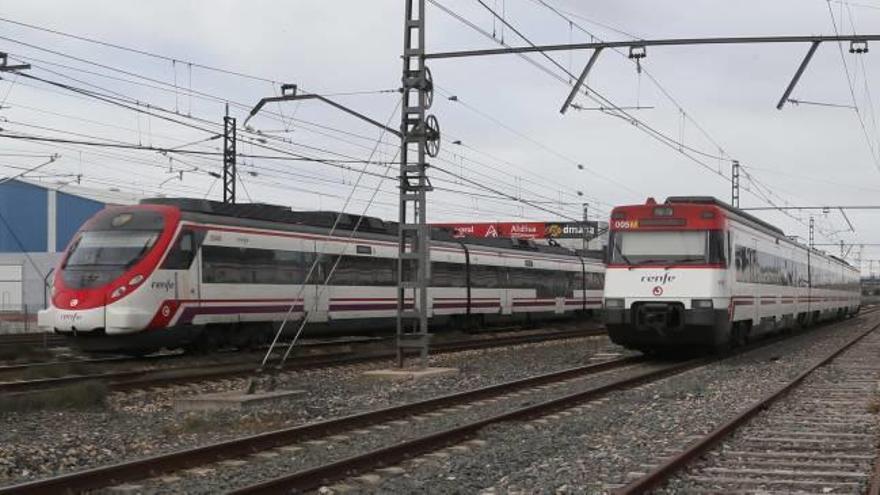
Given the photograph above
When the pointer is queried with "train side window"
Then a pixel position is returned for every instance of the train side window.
(486, 277)
(221, 265)
(716, 247)
(183, 251)
(234, 265)
(445, 274)
(362, 270)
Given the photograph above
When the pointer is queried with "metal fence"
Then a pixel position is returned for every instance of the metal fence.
(20, 318)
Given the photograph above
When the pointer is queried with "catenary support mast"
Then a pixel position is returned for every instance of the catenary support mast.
(229, 173)
(420, 138)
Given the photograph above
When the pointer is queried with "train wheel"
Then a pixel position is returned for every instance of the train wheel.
(139, 353)
(205, 343)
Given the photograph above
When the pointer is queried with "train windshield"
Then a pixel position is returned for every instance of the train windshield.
(687, 247)
(110, 249)
(112, 244)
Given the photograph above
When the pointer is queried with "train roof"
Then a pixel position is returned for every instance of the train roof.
(347, 222)
(711, 200)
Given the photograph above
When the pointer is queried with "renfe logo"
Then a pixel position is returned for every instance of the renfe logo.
(167, 285)
(70, 317)
(663, 279)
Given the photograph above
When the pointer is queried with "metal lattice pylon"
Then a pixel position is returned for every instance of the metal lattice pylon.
(229, 153)
(419, 139)
(734, 184)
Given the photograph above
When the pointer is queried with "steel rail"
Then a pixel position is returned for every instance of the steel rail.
(39, 339)
(123, 359)
(128, 380)
(874, 486)
(240, 447)
(313, 478)
(665, 470)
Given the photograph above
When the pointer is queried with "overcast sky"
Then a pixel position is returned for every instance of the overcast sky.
(513, 138)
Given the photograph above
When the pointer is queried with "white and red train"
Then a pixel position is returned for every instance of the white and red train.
(695, 271)
(172, 273)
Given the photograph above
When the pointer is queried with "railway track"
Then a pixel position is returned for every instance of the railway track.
(523, 399)
(817, 433)
(136, 379)
(246, 446)
(41, 339)
(446, 442)
(398, 433)
(125, 360)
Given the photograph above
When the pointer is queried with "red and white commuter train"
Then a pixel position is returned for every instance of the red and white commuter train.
(191, 273)
(695, 271)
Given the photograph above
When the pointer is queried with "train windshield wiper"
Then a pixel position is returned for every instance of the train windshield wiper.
(618, 250)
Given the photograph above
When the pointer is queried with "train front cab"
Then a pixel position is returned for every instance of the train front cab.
(102, 287)
(666, 284)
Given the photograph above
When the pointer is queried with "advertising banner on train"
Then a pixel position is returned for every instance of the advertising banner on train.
(522, 230)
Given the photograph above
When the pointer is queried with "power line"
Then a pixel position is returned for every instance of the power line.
(670, 142)
(852, 92)
(130, 73)
(641, 66)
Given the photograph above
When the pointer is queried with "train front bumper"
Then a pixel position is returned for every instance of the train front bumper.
(106, 320)
(666, 325)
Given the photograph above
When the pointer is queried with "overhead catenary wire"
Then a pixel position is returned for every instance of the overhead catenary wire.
(643, 69)
(283, 158)
(128, 72)
(320, 252)
(670, 142)
(141, 146)
(110, 99)
(874, 152)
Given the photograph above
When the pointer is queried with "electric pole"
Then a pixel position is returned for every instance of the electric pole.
(734, 184)
(812, 231)
(420, 138)
(586, 223)
(229, 174)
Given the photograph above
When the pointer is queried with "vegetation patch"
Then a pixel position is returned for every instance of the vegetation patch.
(24, 354)
(192, 423)
(80, 396)
(54, 371)
(238, 422)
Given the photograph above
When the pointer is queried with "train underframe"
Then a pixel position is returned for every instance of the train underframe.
(669, 327)
(252, 335)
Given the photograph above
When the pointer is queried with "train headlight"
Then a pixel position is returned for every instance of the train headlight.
(136, 280)
(614, 303)
(118, 292)
(701, 303)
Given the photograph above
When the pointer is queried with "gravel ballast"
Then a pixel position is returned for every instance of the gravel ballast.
(607, 443)
(37, 444)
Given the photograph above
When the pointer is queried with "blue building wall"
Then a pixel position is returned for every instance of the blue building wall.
(25, 211)
(73, 211)
(23, 208)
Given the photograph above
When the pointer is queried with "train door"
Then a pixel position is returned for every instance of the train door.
(185, 259)
(317, 295)
(188, 281)
(505, 293)
(757, 288)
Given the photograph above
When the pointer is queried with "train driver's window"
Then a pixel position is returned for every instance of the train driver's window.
(182, 252)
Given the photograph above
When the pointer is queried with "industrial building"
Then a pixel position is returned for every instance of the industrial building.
(37, 221)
